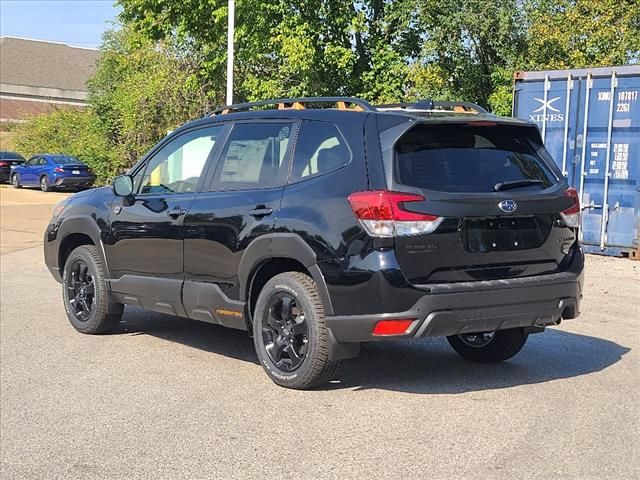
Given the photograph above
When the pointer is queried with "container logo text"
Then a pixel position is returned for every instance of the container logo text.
(553, 114)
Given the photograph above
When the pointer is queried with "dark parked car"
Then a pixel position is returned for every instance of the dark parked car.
(318, 229)
(8, 160)
(49, 171)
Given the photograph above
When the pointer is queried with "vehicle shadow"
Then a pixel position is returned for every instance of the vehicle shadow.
(431, 366)
(427, 366)
(201, 335)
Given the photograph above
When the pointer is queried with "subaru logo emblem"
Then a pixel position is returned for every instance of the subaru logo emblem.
(508, 206)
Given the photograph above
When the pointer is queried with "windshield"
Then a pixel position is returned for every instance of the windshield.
(472, 158)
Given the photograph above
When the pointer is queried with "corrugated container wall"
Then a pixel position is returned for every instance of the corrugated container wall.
(590, 122)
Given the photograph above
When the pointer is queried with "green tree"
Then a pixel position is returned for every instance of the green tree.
(69, 131)
(380, 49)
(166, 64)
(288, 47)
(468, 48)
(142, 89)
(582, 33)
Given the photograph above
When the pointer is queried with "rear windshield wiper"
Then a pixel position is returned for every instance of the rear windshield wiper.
(515, 184)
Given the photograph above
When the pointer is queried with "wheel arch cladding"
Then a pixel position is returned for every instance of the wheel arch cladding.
(265, 271)
(70, 243)
(278, 253)
(78, 231)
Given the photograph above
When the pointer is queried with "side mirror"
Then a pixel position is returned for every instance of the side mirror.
(123, 185)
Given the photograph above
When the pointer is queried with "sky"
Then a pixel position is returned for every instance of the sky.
(75, 22)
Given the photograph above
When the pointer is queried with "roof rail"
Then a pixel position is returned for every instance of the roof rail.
(341, 103)
(431, 106)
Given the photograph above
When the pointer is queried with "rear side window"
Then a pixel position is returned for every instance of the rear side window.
(255, 156)
(468, 158)
(320, 148)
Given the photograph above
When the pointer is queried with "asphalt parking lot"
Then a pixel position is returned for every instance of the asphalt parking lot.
(22, 216)
(171, 398)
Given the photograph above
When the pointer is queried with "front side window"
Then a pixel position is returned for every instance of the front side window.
(320, 148)
(255, 156)
(178, 166)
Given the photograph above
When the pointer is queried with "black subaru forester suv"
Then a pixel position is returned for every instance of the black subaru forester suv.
(316, 229)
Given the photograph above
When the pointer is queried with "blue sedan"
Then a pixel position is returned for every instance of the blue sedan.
(52, 171)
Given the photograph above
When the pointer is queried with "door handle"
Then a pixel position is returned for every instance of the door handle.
(261, 211)
(177, 212)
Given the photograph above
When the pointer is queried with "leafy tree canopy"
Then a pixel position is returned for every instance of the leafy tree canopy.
(142, 89)
(582, 33)
(388, 50)
(70, 131)
(166, 63)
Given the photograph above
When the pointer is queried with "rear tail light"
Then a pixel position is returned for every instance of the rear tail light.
(571, 215)
(382, 214)
(58, 170)
(392, 327)
(4, 164)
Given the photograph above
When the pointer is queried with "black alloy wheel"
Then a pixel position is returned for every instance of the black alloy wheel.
(85, 291)
(81, 290)
(477, 340)
(285, 332)
(291, 337)
(489, 347)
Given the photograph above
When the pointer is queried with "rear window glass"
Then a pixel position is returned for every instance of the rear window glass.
(66, 160)
(11, 156)
(467, 158)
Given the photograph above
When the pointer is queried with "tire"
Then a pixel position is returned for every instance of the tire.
(309, 337)
(15, 181)
(44, 184)
(503, 345)
(98, 313)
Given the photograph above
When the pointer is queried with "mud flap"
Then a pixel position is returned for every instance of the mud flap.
(341, 351)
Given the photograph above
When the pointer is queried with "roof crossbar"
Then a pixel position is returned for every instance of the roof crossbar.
(341, 103)
(352, 104)
(431, 106)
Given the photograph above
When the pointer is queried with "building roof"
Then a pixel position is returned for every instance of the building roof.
(38, 63)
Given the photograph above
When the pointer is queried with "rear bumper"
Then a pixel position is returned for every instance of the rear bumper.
(73, 181)
(452, 309)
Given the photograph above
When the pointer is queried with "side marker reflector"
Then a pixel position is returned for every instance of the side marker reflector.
(392, 327)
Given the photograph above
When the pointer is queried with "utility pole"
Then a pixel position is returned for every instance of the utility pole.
(230, 29)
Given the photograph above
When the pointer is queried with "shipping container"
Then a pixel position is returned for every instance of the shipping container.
(590, 123)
